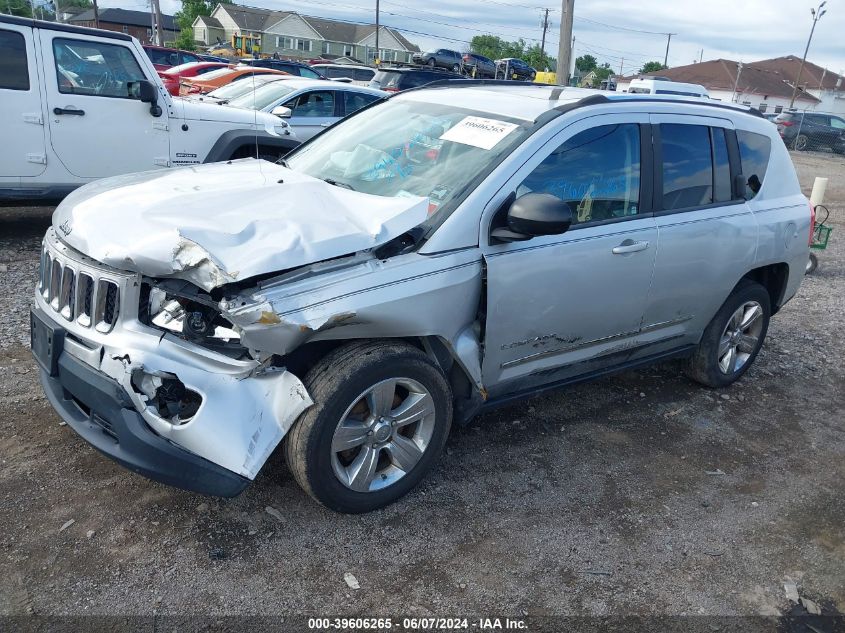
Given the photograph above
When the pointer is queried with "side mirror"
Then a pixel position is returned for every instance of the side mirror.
(282, 111)
(148, 93)
(532, 215)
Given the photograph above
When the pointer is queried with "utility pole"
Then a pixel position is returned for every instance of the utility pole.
(666, 57)
(377, 16)
(96, 15)
(736, 83)
(152, 23)
(564, 51)
(622, 63)
(817, 15)
(158, 34)
(543, 41)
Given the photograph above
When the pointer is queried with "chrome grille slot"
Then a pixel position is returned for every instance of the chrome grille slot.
(84, 299)
(84, 292)
(55, 283)
(107, 305)
(67, 293)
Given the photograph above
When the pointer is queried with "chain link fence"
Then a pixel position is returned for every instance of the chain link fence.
(812, 131)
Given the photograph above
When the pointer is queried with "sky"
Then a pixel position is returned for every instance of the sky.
(623, 34)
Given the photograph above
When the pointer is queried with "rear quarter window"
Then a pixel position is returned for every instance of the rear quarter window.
(754, 153)
(14, 74)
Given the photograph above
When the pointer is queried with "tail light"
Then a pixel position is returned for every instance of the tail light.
(786, 123)
(812, 223)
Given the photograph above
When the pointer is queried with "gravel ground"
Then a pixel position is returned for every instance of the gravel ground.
(597, 500)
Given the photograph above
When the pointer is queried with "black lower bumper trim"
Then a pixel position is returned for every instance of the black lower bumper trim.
(98, 409)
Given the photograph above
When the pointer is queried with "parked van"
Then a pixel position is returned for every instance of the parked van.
(665, 87)
(78, 104)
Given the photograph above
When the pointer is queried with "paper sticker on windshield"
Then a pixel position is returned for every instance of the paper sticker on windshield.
(479, 132)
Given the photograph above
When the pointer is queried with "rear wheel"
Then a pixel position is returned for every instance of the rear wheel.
(382, 413)
(733, 338)
(802, 143)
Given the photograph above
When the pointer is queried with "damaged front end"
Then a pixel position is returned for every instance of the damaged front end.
(153, 375)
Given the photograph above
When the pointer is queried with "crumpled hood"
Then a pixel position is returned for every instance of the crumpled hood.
(222, 222)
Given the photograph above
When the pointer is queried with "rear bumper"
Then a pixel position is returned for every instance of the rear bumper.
(98, 409)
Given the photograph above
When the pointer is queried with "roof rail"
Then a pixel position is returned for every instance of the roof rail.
(60, 26)
(710, 103)
(471, 83)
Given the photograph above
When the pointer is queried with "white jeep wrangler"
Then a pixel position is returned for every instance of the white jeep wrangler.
(79, 104)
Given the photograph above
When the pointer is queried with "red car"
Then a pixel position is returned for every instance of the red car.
(172, 77)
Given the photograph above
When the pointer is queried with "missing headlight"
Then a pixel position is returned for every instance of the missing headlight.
(187, 313)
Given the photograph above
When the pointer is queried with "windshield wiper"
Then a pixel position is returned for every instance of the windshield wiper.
(342, 185)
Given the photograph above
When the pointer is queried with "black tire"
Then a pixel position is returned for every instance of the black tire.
(456, 68)
(704, 365)
(801, 143)
(336, 384)
(431, 62)
(812, 264)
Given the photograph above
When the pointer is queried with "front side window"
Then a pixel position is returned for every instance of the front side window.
(754, 151)
(597, 172)
(96, 69)
(314, 104)
(687, 166)
(14, 71)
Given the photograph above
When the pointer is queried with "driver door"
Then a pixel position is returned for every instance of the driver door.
(98, 127)
(563, 305)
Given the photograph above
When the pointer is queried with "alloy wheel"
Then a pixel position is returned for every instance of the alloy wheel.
(383, 434)
(740, 337)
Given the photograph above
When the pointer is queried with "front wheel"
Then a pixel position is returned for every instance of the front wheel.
(733, 337)
(456, 68)
(432, 63)
(381, 415)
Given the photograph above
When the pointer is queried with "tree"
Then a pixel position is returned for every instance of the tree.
(495, 47)
(24, 8)
(185, 19)
(652, 67)
(602, 72)
(586, 63)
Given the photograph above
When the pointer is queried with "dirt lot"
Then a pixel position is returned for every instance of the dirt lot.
(596, 500)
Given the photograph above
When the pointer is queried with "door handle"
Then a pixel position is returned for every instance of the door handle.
(629, 246)
(69, 111)
(326, 124)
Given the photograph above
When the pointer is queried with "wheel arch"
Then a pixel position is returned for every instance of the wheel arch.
(234, 141)
(774, 278)
(467, 392)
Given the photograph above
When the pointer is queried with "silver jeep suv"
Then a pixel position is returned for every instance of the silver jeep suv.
(427, 258)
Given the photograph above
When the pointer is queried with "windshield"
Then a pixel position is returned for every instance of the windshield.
(262, 96)
(234, 89)
(410, 148)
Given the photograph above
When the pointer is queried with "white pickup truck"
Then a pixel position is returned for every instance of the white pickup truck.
(78, 104)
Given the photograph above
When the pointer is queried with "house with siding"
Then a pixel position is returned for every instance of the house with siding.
(295, 35)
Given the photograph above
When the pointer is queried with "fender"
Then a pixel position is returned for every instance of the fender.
(230, 141)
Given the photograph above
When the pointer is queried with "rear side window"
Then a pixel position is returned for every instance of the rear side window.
(687, 166)
(96, 69)
(362, 74)
(754, 152)
(353, 101)
(597, 172)
(14, 74)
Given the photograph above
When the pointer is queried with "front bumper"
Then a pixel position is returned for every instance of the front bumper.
(98, 409)
(244, 411)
